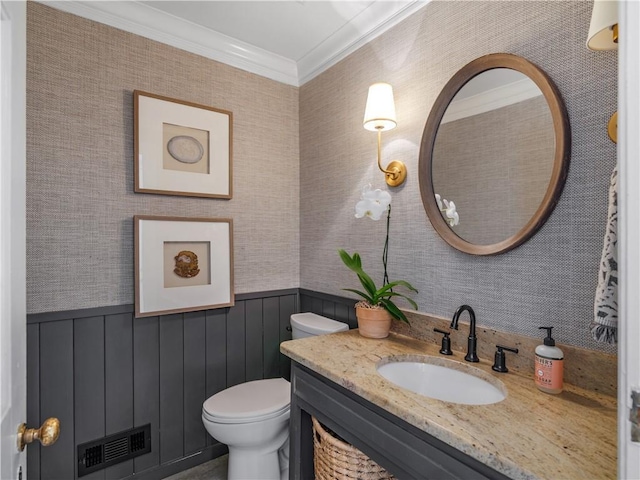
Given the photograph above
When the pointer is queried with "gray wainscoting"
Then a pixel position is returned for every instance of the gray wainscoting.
(332, 306)
(100, 371)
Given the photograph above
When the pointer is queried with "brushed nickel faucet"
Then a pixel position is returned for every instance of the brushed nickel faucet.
(473, 340)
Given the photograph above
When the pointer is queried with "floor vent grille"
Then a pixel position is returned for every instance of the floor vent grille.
(104, 452)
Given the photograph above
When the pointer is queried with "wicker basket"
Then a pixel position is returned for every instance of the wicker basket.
(335, 459)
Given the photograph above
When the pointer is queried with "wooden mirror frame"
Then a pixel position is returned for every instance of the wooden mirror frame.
(561, 159)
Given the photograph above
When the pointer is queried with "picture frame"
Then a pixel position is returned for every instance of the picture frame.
(182, 264)
(181, 148)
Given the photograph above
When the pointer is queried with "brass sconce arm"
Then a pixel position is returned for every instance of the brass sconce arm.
(397, 172)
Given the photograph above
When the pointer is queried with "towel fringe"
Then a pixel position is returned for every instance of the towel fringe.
(604, 334)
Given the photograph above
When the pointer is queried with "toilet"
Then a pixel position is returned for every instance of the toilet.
(252, 418)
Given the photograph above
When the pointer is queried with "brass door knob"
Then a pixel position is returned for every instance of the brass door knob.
(47, 434)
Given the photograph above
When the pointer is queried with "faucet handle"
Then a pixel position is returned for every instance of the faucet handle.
(499, 364)
(445, 349)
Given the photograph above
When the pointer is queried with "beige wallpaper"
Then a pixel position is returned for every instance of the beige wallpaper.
(80, 200)
(301, 158)
(548, 281)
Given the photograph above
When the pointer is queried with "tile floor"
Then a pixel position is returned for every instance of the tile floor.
(213, 470)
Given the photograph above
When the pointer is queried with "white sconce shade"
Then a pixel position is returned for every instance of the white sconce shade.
(380, 113)
(603, 19)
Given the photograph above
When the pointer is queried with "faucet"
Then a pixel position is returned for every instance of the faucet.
(473, 340)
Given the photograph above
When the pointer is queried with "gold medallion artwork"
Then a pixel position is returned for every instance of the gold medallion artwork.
(186, 264)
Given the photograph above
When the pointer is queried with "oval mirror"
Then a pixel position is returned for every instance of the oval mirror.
(497, 145)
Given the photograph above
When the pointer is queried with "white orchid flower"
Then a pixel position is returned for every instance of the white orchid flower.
(379, 196)
(369, 208)
(373, 203)
(439, 200)
(448, 210)
(453, 218)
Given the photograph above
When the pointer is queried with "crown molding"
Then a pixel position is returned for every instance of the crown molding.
(140, 19)
(491, 99)
(148, 22)
(362, 29)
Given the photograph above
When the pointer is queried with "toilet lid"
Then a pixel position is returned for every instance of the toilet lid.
(316, 324)
(250, 401)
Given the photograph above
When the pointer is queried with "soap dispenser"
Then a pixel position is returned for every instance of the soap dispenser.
(549, 363)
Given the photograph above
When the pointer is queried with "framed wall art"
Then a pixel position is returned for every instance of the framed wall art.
(182, 264)
(181, 148)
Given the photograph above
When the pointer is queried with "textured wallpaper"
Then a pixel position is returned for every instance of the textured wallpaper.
(80, 201)
(548, 281)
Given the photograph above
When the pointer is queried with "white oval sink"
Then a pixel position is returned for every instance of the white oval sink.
(444, 380)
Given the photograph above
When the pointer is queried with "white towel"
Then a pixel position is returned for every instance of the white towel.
(604, 327)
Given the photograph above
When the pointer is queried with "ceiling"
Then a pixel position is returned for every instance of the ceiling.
(288, 41)
(289, 29)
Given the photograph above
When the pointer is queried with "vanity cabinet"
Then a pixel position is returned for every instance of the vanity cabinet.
(401, 448)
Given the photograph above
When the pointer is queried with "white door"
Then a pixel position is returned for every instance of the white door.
(12, 235)
(629, 235)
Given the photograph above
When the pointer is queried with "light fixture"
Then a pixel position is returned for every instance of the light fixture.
(603, 35)
(380, 115)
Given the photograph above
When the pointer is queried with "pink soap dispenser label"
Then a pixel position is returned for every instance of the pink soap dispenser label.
(549, 373)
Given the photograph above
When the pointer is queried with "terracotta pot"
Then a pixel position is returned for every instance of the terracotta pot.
(373, 322)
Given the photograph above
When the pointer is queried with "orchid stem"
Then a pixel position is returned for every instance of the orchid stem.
(385, 250)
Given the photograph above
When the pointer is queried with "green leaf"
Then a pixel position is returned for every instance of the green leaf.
(362, 294)
(367, 283)
(357, 260)
(406, 285)
(397, 283)
(355, 264)
(396, 294)
(394, 310)
(347, 260)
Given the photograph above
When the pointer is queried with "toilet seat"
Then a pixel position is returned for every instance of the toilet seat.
(249, 402)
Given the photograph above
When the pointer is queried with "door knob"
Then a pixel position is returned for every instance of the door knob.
(48, 433)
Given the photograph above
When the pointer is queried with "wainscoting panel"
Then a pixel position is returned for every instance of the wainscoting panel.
(146, 385)
(118, 382)
(332, 306)
(171, 376)
(195, 381)
(216, 355)
(100, 371)
(56, 397)
(33, 402)
(88, 383)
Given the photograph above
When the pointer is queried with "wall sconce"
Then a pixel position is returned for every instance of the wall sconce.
(603, 35)
(380, 115)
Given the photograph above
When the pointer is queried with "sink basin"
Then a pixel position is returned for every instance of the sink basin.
(443, 379)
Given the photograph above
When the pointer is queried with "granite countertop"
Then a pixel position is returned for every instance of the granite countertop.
(528, 435)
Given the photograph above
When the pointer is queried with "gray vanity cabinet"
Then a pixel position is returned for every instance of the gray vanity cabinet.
(401, 448)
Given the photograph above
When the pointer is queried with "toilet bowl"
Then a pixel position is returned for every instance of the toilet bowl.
(252, 418)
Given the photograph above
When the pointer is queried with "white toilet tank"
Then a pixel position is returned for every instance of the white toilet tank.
(310, 325)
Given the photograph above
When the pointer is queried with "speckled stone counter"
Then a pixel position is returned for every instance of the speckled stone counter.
(529, 435)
